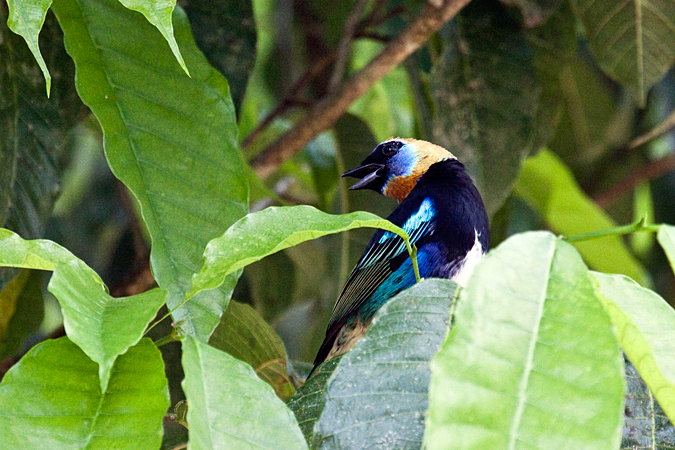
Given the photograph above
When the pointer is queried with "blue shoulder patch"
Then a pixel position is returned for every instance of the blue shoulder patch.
(415, 223)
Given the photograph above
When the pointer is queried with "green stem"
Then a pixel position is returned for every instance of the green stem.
(640, 225)
(166, 340)
(412, 251)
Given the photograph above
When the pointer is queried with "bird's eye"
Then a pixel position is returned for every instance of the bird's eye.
(391, 148)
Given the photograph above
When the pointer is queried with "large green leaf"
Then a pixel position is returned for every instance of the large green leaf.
(377, 395)
(52, 400)
(633, 40)
(171, 139)
(645, 424)
(273, 229)
(102, 326)
(547, 185)
(532, 360)
(230, 407)
(26, 19)
(244, 334)
(645, 324)
(485, 95)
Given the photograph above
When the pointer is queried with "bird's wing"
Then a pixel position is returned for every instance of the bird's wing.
(384, 255)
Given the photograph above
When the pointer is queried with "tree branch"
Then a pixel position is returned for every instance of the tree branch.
(327, 111)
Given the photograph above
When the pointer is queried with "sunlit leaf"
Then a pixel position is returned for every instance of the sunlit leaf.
(485, 95)
(645, 324)
(244, 334)
(52, 400)
(547, 185)
(633, 40)
(531, 360)
(666, 237)
(273, 229)
(26, 19)
(171, 139)
(102, 326)
(230, 407)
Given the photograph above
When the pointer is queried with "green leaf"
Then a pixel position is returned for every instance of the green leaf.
(158, 13)
(666, 237)
(645, 324)
(273, 229)
(377, 394)
(21, 310)
(531, 360)
(309, 400)
(26, 19)
(244, 334)
(633, 41)
(52, 399)
(171, 139)
(102, 326)
(547, 185)
(485, 95)
(645, 423)
(230, 407)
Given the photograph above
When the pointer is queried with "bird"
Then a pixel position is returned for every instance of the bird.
(441, 210)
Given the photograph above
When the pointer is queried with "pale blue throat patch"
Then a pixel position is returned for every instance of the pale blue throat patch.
(403, 163)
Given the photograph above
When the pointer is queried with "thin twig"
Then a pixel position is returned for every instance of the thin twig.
(351, 25)
(640, 225)
(657, 131)
(648, 172)
(327, 111)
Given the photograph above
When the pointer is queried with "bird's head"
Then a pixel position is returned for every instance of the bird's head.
(394, 167)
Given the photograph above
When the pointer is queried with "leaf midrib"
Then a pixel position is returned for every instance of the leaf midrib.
(522, 385)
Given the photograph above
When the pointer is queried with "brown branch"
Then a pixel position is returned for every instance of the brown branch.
(327, 111)
(648, 172)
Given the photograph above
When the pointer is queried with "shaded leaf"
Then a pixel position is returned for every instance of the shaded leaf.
(485, 95)
(244, 334)
(633, 41)
(377, 394)
(273, 229)
(309, 400)
(171, 139)
(158, 13)
(666, 237)
(224, 31)
(230, 407)
(645, 424)
(547, 185)
(102, 326)
(531, 359)
(26, 19)
(21, 310)
(52, 399)
(645, 325)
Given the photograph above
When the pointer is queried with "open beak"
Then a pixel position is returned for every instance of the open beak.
(368, 173)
